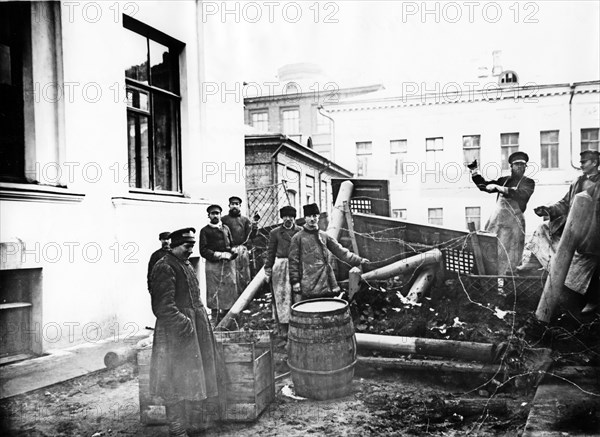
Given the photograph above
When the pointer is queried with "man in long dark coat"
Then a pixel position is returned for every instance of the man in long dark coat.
(216, 247)
(242, 231)
(158, 254)
(184, 355)
(276, 266)
(507, 220)
(311, 276)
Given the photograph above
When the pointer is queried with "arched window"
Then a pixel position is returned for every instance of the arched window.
(508, 77)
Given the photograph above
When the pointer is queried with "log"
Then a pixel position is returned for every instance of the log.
(465, 350)
(421, 284)
(475, 406)
(120, 356)
(244, 299)
(337, 215)
(430, 365)
(577, 222)
(404, 266)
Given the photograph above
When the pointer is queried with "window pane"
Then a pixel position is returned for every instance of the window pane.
(291, 121)
(549, 149)
(166, 115)
(398, 146)
(364, 148)
(473, 214)
(137, 99)
(589, 139)
(137, 140)
(162, 68)
(435, 216)
(260, 120)
(134, 49)
(509, 144)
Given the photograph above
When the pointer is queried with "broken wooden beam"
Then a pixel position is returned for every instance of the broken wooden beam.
(429, 365)
(577, 221)
(337, 214)
(404, 266)
(421, 284)
(244, 299)
(465, 350)
(475, 406)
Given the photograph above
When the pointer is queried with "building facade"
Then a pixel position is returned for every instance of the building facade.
(422, 143)
(106, 141)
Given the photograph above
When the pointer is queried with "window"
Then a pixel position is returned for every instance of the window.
(260, 120)
(291, 195)
(153, 107)
(324, 206)
(310, 189)
(508, 77)
(471, 149)
(473, 214)
(509, 144)
(398, 150)
(549, 148)
(589, 139)
(435, 216)
(290, 121)
(363, 152)
(399, 214)
(433, 147)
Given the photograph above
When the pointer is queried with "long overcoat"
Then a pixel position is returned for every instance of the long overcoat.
(184, 361)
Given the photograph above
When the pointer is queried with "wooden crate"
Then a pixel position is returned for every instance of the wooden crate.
(248, 379)
(249, 374)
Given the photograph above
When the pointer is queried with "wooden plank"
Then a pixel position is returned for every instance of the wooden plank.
(239, 412)
(238, 353)
(476, 249)
(238, 393)
(240, 373)
(262, 372)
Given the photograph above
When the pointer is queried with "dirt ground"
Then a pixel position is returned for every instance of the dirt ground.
(382, 402)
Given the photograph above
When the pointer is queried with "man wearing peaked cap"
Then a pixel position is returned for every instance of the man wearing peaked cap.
(183, 367)
(216, 245)
(276, 266)
(242, 231)
(311, 275)
(158, 254)
(507, 221)
(583, 273)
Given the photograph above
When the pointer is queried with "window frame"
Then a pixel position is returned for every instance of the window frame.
(362, 157)
(507, 149)
(440, 218)
(546, 149)
(283, 120)
(176, 48)
(398, 156)
(468, 160)
(256, 112)
(478, 216)
(588, 141)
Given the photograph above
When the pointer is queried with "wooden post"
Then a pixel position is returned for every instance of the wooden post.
(577, 223)
(476, 249)
(337, 215)
(421, 284)
(404, 266)
(244, 299)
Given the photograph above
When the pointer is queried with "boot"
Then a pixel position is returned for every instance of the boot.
(176, 419)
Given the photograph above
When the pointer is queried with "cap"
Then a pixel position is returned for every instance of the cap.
(590, 154)
(235, 199)
(310, 209)
(181, 236)
(518, 157)
(164, 235)
(213, 208)
(287, 211)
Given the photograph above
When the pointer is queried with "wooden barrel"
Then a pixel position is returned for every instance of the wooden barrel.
(322, 348)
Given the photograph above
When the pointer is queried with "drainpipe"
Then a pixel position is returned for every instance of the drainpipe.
(571, 127)
(319, 108)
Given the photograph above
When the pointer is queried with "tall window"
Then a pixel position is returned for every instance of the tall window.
(509, 144)
(324, 206)
(473, 214)
(398, 150)
(310, 189)
(153, 107)
(364, 150)
(589, 139)
(471, 148)
(435, 216)
(290, 121)
(549, 148)
(399, 214)
(433, 149)
(260, 120)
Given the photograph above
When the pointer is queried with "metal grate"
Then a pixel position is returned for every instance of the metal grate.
(459, 261)
(266, 202)
(363, 206)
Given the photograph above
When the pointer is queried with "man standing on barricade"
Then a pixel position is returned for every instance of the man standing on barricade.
(242, 231)
(276, 266)
(216, 247)
(311, 275)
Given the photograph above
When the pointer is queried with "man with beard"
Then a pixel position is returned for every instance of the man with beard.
(311, 276)
(216, 247)
(583, 272)
(276, 266)
(242, 231)
(158, 254)
(183, 366)
(507, 220)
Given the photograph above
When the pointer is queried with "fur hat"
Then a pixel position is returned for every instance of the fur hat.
(287, 211)
(311, 209)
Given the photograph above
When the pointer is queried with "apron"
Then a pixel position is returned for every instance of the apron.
(242, 267)
(221, 285)
(282, 289)
(508, 223)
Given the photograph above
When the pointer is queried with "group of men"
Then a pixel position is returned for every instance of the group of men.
(508, 223)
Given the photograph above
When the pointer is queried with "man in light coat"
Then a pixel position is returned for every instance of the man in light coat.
(311, 276)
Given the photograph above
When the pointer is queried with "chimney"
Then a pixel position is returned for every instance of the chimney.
(497, 68)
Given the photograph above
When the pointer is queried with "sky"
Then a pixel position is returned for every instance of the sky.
(392, 42)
